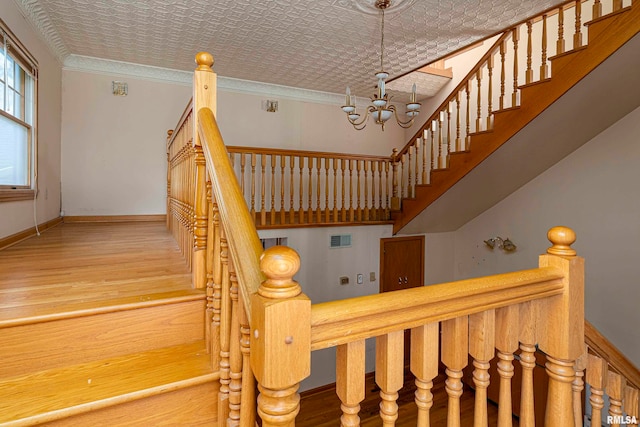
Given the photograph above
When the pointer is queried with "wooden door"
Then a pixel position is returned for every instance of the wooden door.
(401, 263)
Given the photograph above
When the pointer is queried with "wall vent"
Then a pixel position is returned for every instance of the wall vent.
(341, 241)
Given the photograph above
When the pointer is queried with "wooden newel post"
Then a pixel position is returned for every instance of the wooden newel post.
(561, 322)
(280, 337)
(395, 197)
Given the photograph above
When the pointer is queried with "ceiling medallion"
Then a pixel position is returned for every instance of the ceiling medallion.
(370, 8)
(381, 110)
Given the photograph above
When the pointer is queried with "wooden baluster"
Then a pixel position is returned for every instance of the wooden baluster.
(388, 204)
(402, 195)
(334, 165)
(544, 67)
(490, 92)
(358, 208)
(560, 42)
(528, 75)
(216, 278)
(366, 189)
(351, 211)
(272, 213)
(350, 376)
(562, 319)
(416, 166)
(281, 338)
(458, 140)
(527, 362)
(169, 173)
(301, 188)
(242, 171)
(225, 332)
(235, 356)
(481, 349)
(310, 195)
(424, 365)
(514, 96)
(389, 374)
(374, 199)
(282, 185)
(503, 51)
(577, 37)
(479, 102)
(615, 389)
(631, 404)
(318, 208)
(247, 398)
(467, 137)
(327, 161)
(507, 328)
(263, 183)
(292, 211)
(425, 144)
(455, 348)
(434, 155)
(409, 176)
(597, 9)
(440, 119)
(578, 387)
(395, 197)
(253, 186)
(209, 269)
(596, 374)
(617, 5)
(343, 212)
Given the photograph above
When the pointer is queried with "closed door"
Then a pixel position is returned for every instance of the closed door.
(401, 263)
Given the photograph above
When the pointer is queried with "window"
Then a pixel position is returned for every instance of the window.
(18, 77)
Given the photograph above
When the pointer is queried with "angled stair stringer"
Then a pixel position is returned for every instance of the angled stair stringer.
(606, 36)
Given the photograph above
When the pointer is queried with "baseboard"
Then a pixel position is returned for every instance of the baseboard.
(11, 240)
(116, 218)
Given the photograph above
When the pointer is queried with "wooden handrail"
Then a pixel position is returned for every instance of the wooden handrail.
(339, 322)
(183, 117)
(314, 154)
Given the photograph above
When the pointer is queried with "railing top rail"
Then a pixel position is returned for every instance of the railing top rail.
(339, 322)
(302, 153)
(183, 117)
(243, 241)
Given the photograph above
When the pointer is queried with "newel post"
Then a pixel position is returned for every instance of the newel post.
(204, 96)
(280, 337)
(561, 322)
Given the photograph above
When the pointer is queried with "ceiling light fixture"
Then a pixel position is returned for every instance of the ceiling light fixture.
(382, 109)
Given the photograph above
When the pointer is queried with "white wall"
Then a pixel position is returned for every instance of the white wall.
(18, 216)
(594, 191)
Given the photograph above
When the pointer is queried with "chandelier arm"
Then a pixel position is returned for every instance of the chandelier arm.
(404, 125)
(363, 121)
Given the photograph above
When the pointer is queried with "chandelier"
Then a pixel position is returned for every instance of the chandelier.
(382, 109)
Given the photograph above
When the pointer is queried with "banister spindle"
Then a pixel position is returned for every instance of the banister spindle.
(514, 96)
(366, 189)
(389, 374)
(527, 362)
(578, 387)
(318, 188)
(351, 210)
(544, 67)
(216, 277)
(374, 200)
(528, 75)
(440, 137)
(310, 195)
(326, 189)
(467, 137)
(415, 168)
(263, 183)
(395, 197)
(481, 349)
(560, 42)
(389, 201)
(292, 211)
(358, 207)
(235, 355)
(282, 186)
(301, 190)
(334, 165)
(479, 101)
(350, 384)
(382, 164)
(455, 348)
(402, 186)
(503, 51)
(225, 332)
(253, 186)
(343, 211)
(272, 212)
(243, 162)
(507, 328)
(490, 92)
(632, 404)
(577, 37)
(597, 9)
(458, 146)
(615, 389)
(409, 176)
(424, 365)
(596, 376)
(434, 152)
(210, 338)
(248, 399)
(281, 337)
(617, 5)
(425, 139)
(449, 147)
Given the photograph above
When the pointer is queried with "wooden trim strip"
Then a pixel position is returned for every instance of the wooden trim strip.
(11, 240)
(321, 154)
(115, 218)
(339, 322)
(16, 194)
(603, 348)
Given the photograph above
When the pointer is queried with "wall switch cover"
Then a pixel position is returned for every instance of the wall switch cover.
(344, 280)
(360, 279)
(372, 276)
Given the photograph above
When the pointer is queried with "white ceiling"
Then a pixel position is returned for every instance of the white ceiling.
(321, 45)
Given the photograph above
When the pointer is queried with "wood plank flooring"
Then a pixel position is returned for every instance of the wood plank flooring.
(75, 267)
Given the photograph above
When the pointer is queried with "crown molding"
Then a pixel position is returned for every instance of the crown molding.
(44, 27)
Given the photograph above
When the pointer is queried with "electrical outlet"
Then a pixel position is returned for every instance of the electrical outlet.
(360, 279)
(344, 280)
(372, 276)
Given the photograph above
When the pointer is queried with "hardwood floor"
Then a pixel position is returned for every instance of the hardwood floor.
(75, 267)
(321, 407)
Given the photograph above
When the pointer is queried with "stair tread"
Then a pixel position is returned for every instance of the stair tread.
(54, 393)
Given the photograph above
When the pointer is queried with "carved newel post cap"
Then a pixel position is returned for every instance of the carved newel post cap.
(204, 61)
(279, 264)
(562, 238)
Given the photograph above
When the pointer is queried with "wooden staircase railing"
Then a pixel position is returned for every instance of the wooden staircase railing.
(262, 326)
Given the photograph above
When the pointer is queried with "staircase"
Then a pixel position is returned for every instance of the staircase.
(79, 351)
(591, 86)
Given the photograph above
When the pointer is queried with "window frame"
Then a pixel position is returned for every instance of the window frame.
(25, 60)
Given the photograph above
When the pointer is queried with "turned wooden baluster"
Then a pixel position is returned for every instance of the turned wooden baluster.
(242, 171)
(527, 362)
(235, 355)
(272, 212)
(281, 337)
(335, 166)
(528, 74)
(597, 9)
(449, 147)
(434, 152)
(366, 189)
(615, 389)
(253, 186)
(351, 210)
(479, 101)
(350, 376)
(401, 167)
(263, 183)
(343, 211)
(310, 195)
(424, 365)
(248, 398)
(617, 5)
(395, 197)
(216, 285)
(562, 320)
(301, 190)
(458, 140)
(544, 67)
(409, 175)
(282, 185)
(467, 137)
(503, 51)
(358, 208)
(389, 374)
(440, 120)
(514, 96)
(388, 206)
(225, 331)
(560, 42)
(382, 164)
(507, 328)
(597, 370)
(318, 208)
(374, 208)
(490, 91)
(209, 269)
(578, 387)
(577, 37)
(425, 144)
(292, 211)
(481, 349)
(455, 348)
(632, 404)
(326, 190)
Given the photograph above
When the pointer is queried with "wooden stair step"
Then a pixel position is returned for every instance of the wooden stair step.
(67, 391)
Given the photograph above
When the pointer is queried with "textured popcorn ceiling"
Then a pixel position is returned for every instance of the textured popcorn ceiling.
(322, 45)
